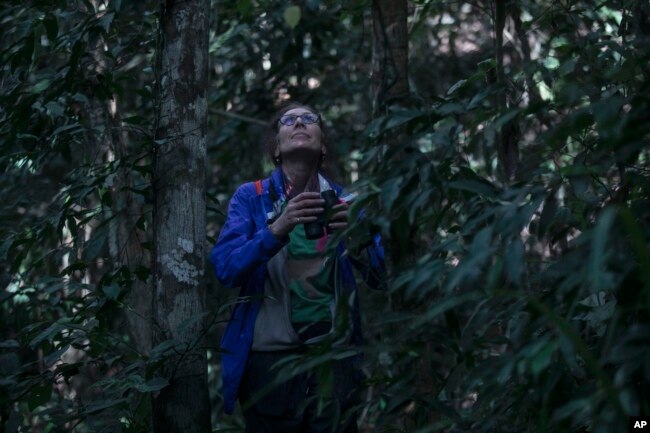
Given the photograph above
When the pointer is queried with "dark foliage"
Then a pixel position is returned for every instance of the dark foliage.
(514, 195)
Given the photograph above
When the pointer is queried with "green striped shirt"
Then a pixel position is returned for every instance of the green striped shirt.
(310, 282)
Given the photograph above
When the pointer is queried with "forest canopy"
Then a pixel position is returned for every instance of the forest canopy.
(499, 147)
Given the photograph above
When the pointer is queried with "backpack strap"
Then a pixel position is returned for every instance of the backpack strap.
(258, 186)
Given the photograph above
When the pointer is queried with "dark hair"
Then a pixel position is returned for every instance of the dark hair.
(270, 137)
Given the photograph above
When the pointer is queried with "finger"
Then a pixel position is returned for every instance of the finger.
(340, 216)
(337, 225)
(306, 196)
(310, 211)
(294, 212)
(311, 203)
(295, 220)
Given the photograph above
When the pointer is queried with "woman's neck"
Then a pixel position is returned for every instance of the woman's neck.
(298, 176)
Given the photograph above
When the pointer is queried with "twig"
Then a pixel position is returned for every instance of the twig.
(238, 117)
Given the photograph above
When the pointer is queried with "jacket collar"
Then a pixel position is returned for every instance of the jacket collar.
(277, 178)
(274, 190)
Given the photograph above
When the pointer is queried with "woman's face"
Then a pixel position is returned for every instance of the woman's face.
(299, 139)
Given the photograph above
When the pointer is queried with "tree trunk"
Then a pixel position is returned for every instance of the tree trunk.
(179, 217)
(508, 134)
(389, 54)
(390, 87)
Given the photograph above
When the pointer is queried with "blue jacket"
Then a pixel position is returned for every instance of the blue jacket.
(239, 257)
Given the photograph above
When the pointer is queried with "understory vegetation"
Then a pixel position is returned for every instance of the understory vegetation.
(511, 186)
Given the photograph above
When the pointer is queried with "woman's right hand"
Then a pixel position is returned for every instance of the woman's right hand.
(303, 208)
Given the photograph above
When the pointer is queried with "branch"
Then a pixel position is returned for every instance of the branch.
(239, 117)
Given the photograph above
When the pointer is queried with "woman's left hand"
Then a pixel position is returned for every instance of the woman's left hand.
(339, 217)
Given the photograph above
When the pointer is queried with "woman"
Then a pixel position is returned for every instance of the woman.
(292, 286)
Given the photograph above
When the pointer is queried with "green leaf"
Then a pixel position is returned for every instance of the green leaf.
(480, 187)
(244, 7)
(457, 86)
(9, 344)
(506, 117)
(390, 192)
(14, 422)
(401, 117)
(161, 349)
(548, 214)
(54, 109)
(4, 248)
(450, 108)
(292, 15)
(487, 64)
(142, 273)
(80, 97)
(581, 348)
(153, 385)
(76, 266)
(599, 277)
(50, 332)
(640, 249)
(55, 356)
(102, 405)
(542, 358)
(106, 21)
(24, 56)
(69, 370)
(441, 307)
(69, 128)
(567, 67)
(94, 246)
(514, 261)
(111, 291)
(41, 86)
(51, 27)
(39, 395)
(135, 120)
(89, 5)
(479, 98)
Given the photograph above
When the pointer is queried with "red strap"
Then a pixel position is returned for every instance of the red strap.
(258, 186)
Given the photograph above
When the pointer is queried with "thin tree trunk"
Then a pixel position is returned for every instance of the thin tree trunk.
(508, 135)
(125, 238)
(179, 217)
(389, 54)
(390, 87)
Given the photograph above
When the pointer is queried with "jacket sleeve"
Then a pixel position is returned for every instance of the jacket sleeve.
(241, 246)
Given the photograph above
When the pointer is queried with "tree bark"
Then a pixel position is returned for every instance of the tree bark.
(507, 135)
(390, 84)
(125, 238)
(390, 87)
(179, 217)
(389, 54)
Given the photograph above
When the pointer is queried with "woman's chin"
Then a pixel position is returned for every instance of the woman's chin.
(302, 152)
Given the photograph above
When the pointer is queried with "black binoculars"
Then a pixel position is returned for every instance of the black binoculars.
(315, 230)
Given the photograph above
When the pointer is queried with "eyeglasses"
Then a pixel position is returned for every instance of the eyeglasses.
(306, 118)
